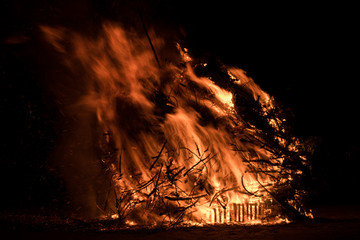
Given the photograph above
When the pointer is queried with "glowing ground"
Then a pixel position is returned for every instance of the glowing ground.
(332, 223)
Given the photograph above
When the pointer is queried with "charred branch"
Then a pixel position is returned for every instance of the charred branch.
(148, 37)
(158, 156)
(184, 198)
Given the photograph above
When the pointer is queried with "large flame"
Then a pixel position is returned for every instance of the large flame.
(178, 145)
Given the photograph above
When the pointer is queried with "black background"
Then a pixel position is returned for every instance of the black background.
(304, 54)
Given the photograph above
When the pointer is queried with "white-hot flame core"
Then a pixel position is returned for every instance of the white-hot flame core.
(121, 78)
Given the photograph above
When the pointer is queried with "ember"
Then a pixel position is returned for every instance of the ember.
(181, 140)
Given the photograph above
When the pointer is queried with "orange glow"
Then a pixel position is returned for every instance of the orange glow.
(182, 157)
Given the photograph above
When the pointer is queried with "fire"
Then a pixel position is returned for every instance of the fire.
(178, 147)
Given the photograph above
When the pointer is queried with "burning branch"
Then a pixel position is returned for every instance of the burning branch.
(156, 182)
(201, 160)
(148, 37)
(158, 156)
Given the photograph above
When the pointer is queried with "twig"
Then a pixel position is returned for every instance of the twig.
(145, 184)
(216, 195)
(158, 156)
(148, 37)
(119, 165)
(243, 185)
(156, 183)
(117, 204)
(184, 198)
(200, 160)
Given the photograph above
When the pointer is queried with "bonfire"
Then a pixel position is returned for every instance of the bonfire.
(181, 140)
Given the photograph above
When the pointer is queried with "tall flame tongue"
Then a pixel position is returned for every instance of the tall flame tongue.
(179, 147)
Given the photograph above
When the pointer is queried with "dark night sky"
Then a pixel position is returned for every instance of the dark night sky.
(304, 54)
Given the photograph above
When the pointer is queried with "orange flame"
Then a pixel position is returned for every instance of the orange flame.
(179, 148)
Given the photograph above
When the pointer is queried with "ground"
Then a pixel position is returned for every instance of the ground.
(331, 223)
